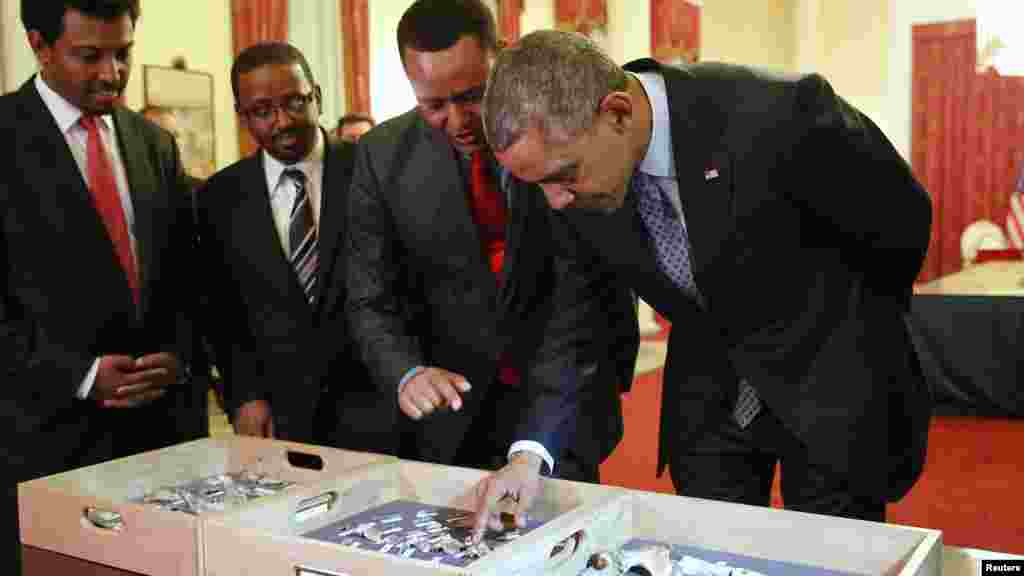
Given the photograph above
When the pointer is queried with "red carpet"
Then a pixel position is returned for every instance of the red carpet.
(969, 489)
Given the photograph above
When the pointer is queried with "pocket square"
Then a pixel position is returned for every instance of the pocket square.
(711, 174)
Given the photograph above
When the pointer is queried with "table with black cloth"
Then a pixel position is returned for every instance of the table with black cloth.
(968, 330)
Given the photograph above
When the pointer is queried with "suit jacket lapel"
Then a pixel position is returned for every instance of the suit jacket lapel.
(445, 197)
(141, 187)
(333, 211)
(259, 236)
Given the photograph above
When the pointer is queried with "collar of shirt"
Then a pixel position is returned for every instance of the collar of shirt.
(64, 113)
(659, 160)
(309, 165)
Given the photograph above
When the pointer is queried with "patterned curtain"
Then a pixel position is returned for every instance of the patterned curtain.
(675, 31)
(942, 71)
(967, 144)
(255, 21)
(509, 12)
(581, 16)
(355, 22)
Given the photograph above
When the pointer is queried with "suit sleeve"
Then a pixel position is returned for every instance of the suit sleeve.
(867, 192)
(183, 301)
(222, 320)
(30, 353)
(587, 349)
(375, 307)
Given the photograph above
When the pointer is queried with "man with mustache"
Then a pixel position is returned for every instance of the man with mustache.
(270, 232)
(493, 358)
(93, 333)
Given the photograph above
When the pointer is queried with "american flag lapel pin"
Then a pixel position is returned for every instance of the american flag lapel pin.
(711, 174)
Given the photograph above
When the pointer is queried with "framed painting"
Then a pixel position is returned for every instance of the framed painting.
(187, 95)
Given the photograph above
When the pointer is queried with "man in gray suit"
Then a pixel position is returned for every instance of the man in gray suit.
(482, 347)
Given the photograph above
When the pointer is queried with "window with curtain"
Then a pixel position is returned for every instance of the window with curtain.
(315, 29)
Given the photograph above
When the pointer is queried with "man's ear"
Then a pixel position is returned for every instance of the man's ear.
(39, 47)
(318, 97)
(619, 107)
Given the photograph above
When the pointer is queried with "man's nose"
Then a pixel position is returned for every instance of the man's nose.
(281, 117)
(458, 116)
(110, 70)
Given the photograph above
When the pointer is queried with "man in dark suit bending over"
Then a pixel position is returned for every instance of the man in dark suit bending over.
(95, 217)
(491, 357)
(776, 228)
(270, 231)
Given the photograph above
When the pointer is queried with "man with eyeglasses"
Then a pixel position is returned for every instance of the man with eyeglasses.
(270, 229)
(495, 358)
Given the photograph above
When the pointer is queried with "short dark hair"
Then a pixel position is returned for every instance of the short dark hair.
(355, 118)
(435, 25)
(266, 53)
(47, 16)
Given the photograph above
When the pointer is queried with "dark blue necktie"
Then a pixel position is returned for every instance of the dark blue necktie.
(672, 249)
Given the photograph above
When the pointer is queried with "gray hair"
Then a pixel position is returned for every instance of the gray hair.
(551, 80)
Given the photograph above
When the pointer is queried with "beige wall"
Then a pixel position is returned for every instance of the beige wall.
(390, 93)
(19, 63)
(848, 43)
(752, 32)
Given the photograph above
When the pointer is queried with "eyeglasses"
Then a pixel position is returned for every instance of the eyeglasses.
(294, 105)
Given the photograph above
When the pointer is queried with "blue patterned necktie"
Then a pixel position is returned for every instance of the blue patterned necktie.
(302, 236)
(672, 249)
(671, 246)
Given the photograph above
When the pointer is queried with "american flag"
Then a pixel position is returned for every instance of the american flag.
(1015, 215)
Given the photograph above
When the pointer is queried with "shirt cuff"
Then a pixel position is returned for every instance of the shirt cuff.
(535, 447)
(86, 386)
(408, 376)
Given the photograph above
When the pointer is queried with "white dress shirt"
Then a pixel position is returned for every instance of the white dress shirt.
(282, 189)
(66, 115)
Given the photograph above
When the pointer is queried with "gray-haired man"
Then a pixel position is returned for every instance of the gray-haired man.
(713, 190)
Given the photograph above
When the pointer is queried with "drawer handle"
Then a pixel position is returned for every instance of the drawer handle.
(315, 506)
(305, 571)
(304, 460)
(104, 519)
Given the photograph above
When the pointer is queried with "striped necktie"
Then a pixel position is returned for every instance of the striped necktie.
(302, 236)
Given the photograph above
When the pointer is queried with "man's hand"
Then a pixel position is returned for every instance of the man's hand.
(509, 490)
(430, 389)
(121, 383)
(254, 419)
(160, 361)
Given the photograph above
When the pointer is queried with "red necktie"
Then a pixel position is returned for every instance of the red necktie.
(107, 201)
(489, 215)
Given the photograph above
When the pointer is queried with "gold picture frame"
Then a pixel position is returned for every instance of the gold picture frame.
(188, 95)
